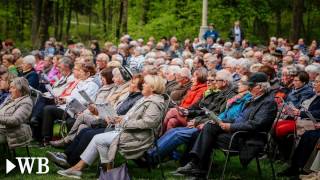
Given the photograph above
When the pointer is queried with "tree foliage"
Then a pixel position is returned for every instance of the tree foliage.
(30, 22)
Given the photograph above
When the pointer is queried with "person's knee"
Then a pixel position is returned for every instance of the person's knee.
(99, 139)
(172, 123)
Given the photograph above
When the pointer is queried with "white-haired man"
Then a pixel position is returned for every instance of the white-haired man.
(170, 76)
(183, 78)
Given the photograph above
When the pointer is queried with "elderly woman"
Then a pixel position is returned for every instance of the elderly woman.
(121, 81)
(8, 62)
(134, 136)
(183, 135)
(28, 71)
(52, 112)
(15, 114)
(5, 79)
(313, 70)
(309, 138)
(175, 117)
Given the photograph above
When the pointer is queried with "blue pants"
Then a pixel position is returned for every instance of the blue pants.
(171, 140)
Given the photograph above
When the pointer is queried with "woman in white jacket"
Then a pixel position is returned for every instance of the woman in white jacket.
(53, 112)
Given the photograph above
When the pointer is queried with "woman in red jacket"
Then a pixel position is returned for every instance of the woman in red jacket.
(176, 117)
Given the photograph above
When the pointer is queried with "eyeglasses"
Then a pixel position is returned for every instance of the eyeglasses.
(219, 80)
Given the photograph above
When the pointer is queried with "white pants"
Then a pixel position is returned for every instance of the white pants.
(99, 145)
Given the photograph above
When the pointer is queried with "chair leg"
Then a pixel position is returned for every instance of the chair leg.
(159, 160)
(14, 154)
(225, 165)
(28, 152)
(272, 169)
(258, 166)
(210, 165)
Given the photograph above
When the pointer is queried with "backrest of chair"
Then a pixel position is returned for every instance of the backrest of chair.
(34, 94)
(167, 100)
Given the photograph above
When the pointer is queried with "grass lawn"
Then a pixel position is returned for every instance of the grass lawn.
(234, 170)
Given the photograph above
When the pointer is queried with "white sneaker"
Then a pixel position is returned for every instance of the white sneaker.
(70, 173)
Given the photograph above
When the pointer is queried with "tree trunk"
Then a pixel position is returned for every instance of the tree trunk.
(260, 29)
(56, 19)
(118, 29)
(45, 21)
(278, 22)
(297, 19)
(145, 10)
(7, 19)
(61, 13)
(22, 20)
(124, 21)
(36, 13)
(110, 16)
(70, 6)
(104, 18)
(90, 16)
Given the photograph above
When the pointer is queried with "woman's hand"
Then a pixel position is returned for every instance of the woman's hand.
(93, 109)
(61, 100)
(118, 119)
(225, 126)
(191, 123)
(182, 111)
(109, 120)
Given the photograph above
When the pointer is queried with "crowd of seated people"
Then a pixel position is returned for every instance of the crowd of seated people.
(196, 94)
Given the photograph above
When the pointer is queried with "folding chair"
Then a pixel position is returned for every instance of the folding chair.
(229, 152)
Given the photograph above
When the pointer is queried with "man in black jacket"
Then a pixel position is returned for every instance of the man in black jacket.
(257, 116)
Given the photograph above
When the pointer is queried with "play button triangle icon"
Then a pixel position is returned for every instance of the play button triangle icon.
(9, 166)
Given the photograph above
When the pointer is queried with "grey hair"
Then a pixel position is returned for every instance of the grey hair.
(22, 85)
(185, 72)
(30, 59)
(269, 58)
(159, 62)
(67, 62)
(189, 63)
(140, 50)
(173, 69)
(264, 85)
(305, 58)
(312, 68)
(245, 63)
(177, 61)
(225, 75)
(232, 62)
(104, 57)
(292, 70)
(116, 72)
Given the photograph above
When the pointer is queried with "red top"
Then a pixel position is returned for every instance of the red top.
(193, 95)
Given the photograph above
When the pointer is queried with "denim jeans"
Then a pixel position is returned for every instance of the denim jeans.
(171, 140)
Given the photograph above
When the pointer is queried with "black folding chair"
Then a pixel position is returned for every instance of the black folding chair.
(231, 152)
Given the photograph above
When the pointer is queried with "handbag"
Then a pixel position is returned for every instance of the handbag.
(119, 173)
